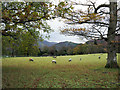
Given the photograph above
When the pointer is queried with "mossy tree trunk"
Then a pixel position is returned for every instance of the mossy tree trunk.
(112, 56)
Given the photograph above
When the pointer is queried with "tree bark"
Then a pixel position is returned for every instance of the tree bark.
(111, 47)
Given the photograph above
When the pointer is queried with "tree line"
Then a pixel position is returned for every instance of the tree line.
(78, 50)
(28, 46)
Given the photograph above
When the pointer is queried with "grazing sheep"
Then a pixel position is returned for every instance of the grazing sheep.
(99, 57)
(31, 59)
(54, 61)
(7, 56)
(70, 60)
(80, 59)
(54, 56)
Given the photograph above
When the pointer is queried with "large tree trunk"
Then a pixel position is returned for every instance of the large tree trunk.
(112, 56)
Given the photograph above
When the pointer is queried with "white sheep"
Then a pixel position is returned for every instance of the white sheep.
(7, 56)
(70, 60)
(54, 61)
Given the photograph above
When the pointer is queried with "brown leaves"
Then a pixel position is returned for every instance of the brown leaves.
(91, 16)
(74, 30)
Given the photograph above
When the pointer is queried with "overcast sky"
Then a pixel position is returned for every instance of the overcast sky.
(57, 37)
(56, 24)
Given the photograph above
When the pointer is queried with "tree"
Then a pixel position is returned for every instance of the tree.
(112, 57)
(40, 52)
(52, 50)
(99, 19)
(45, 49)
(29, 17)
(7, 47)
(23, 46)
(70, 51)
(25, 16)
(62, 50)
(24, 23)
(82, 49)
(77, 50)
(28, 45)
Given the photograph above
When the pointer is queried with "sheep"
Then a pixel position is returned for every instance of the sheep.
(80, 59)
(31, 59)
(7, 56)
(54, 61)
(70, 60)
(54, 56)
(99, 57)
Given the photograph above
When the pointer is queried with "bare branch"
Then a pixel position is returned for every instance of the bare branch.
(118, 9)
(101, 35)
(82, 4)
(88, 22)
(104, 12)
(100, 6)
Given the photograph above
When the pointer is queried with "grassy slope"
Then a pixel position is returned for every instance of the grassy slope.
(88, 73)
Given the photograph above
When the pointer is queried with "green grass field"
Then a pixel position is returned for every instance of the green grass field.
(19, 72)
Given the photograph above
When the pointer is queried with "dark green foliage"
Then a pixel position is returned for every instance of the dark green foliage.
(20, 16)
(24, 45)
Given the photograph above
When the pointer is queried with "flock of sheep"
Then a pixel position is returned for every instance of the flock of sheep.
(54, 61)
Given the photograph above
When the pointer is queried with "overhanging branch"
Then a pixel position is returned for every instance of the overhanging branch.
(88, 22)
(100, 6)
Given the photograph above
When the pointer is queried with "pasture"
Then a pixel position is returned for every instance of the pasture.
(19, 72)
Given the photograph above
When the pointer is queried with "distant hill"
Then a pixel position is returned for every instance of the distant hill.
(57, 45)
(65, 44)
(45, 43)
